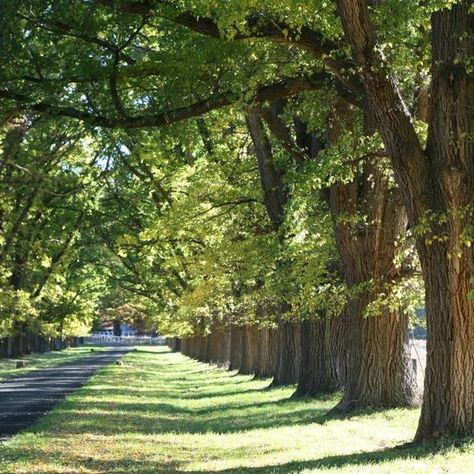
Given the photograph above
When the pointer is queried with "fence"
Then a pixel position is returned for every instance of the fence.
(418, 358)
(127, 340)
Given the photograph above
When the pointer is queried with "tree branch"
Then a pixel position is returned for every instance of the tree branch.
(66, 30)
(258, 27)
(284, 88)
(388, 107)
(227, 203)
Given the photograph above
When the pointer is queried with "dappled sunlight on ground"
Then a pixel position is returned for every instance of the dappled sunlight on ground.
(162, 412)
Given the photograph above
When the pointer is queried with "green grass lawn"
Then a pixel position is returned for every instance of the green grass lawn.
(48, 359)
(162, 412)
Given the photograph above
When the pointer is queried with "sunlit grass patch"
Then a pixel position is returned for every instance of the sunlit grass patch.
(161, 412)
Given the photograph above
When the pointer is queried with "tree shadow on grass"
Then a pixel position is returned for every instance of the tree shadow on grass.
(146, 351)
(197, 400)
(148, 418)
(230, 417)
(121, 465)
(371, 458)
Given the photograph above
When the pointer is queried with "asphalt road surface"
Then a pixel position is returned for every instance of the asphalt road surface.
(24, 399)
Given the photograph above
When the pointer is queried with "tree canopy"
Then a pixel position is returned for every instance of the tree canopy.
(199, 166)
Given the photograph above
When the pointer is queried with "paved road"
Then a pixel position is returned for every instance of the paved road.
(24, 399)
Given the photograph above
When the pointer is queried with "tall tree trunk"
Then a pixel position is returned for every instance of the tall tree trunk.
(267, 352)
(224, 349)
(448, 265)
(289, 354)
(315, 373)
(437, 183)
(249, 350)
(379, 371)
(185, 346)
(337, 329)
(235, 347)
(204, 349)
(213, 346)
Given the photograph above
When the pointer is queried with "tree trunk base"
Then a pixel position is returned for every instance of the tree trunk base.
(319, 394)
(346, 406)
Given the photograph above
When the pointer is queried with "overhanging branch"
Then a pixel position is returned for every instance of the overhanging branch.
(284, 88)
(257, 26)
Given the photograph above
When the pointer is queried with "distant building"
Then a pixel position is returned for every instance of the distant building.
(419, 329)
(125, 329)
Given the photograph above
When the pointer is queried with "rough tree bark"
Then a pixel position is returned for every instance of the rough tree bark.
(224, 349)
(248, 360)
(288, 354)
(448, 266)
(315, 375)
(436, 181)
(337, 349)
(203, 351)
(267, 353)
(235, 347)
(379, 372)
(213, 346)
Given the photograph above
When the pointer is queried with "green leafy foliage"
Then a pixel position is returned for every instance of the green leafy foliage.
(166, 227)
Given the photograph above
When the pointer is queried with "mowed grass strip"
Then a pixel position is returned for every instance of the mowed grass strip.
(41, 361)
(162, 412)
